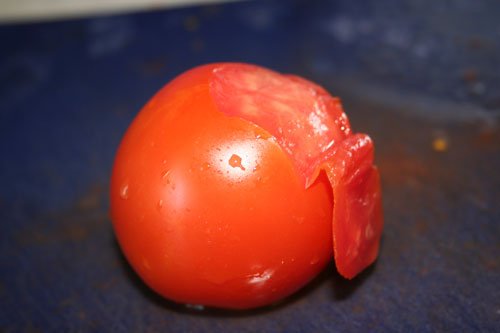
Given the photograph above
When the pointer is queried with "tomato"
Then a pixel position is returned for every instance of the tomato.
(235, 185)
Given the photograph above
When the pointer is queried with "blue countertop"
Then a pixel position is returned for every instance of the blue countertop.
(69, 89)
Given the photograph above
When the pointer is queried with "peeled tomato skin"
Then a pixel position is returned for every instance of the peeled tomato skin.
(312, 128)
(305, 120)
(357, 211)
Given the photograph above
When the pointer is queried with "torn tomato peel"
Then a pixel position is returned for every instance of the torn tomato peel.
(305, 119)
(357, 221)
(357, 211)
(312, 129)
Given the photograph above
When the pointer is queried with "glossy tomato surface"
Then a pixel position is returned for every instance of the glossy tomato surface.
(225, 186)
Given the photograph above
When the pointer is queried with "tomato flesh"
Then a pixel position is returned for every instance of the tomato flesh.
(224, 188)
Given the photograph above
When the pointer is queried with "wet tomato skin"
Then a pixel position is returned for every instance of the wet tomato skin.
(209, 209)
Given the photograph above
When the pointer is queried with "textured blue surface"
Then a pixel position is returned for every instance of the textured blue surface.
(69, 89)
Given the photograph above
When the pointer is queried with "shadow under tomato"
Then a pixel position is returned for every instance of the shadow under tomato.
(341, 288)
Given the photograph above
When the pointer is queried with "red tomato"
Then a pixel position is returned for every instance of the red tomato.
(229, 184)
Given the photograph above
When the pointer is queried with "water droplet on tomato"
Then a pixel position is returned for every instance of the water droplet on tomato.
(314, 260)
(165, 174)
(159, 205)
(260, 278)
(124, 192)
(369, 233)
(205, 166)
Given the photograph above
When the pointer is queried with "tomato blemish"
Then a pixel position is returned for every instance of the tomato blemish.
(235, 162)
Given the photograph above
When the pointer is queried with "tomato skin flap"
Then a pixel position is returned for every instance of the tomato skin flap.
(304, 118)
(357, 211)
(312, 128)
